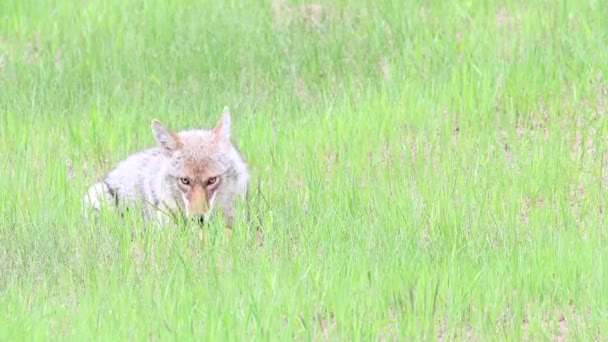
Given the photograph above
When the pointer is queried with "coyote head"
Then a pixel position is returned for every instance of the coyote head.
(203, 168)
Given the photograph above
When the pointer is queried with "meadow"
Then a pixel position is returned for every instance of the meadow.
(420, 170)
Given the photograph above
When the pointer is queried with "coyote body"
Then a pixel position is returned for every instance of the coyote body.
(189, 174)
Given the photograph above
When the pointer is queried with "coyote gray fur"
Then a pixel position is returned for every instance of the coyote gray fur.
(189, 174)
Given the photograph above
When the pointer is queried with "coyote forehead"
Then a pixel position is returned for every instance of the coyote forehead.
(201, 151)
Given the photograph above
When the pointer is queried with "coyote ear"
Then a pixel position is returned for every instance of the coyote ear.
(165, 138)
(222, 129)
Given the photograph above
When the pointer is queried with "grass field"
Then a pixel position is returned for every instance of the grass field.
(420, 170)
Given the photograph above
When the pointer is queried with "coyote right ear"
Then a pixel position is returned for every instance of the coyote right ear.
(165, 138)
(222, 129)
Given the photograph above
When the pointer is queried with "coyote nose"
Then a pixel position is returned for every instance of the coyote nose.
(201, 220)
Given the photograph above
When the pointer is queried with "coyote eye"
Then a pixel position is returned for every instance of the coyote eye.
(211, 180)
(185, 181)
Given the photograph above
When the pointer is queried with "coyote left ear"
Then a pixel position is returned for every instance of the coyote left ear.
(222, 129)
(166, 139)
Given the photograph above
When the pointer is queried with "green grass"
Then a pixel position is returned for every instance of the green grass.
(420, 170)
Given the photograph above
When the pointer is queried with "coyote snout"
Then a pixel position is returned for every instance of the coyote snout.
(200, 219)
(199, 195)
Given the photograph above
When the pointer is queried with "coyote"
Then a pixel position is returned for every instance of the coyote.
(187, 175)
